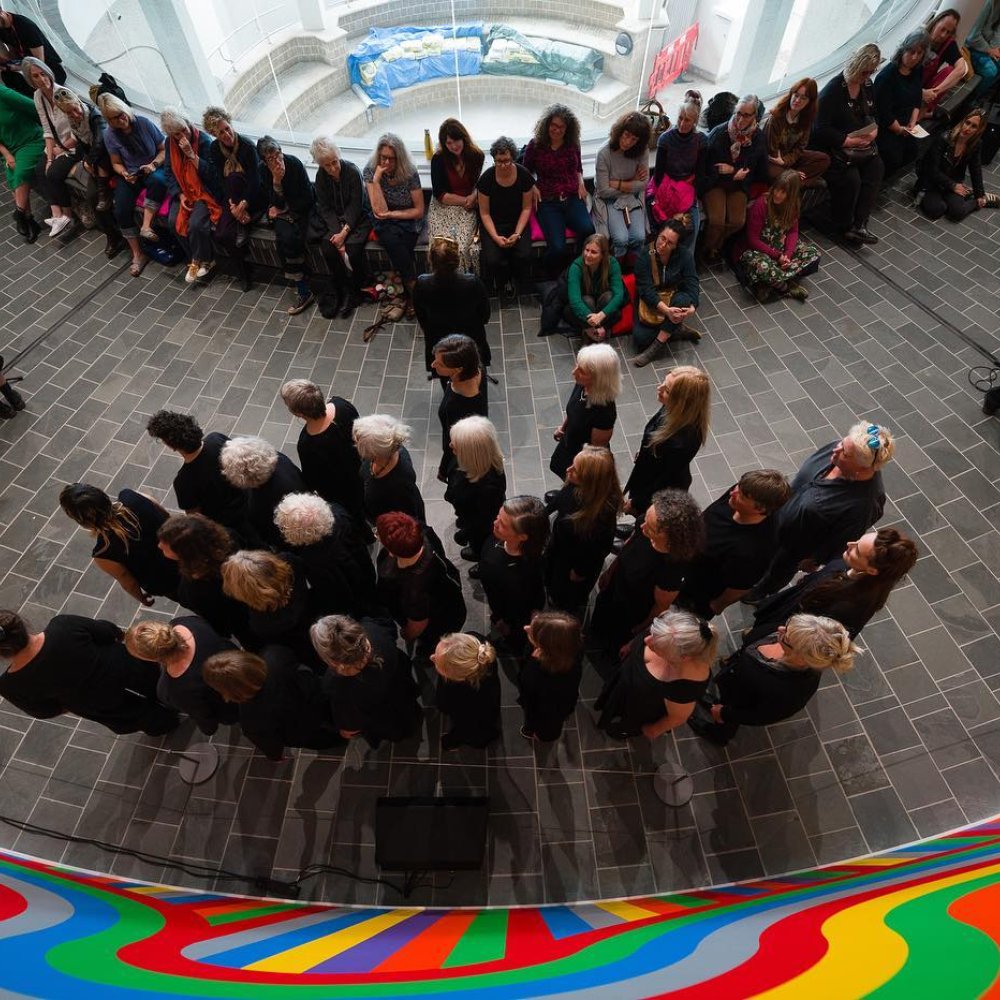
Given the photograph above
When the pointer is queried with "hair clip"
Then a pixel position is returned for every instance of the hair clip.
(705, 630)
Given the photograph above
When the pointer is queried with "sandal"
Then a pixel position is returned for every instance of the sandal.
(138, 265)
(148, 234)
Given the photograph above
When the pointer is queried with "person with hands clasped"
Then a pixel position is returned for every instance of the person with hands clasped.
(505, 201)
(621, 173)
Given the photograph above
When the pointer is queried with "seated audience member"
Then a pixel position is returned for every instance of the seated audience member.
(21, 37)
(61, 154)
(595, 291)
(899, 101)
(735, 157)
(846, 128)
(191, 174)
(511, 568)
(620, 175)
(787, 130)
(583, 530)
(325, 542)
(417, 584)
(88, 127)
(200, 486)
(590, 410)
(463, 378)
(941, 171)
(290, 203)
(200, 547)
(368, 682)
(553, 156)
(770, 252)
(647, 573)
(667, 293)
(679, 150)
(771, 680)
(448, 301)
(504, 214)
(548, 681)
(266, 475)
(837, 495)
(125, 545)
(23, 148)
(81, 666)
(984, 49)
(672, 437)
(280, 701)
(468, 690)
(181, 649)
(390, 483)
(136, 148)
(740, 537)
(660, 678)
(945, 67)
(477, 484)
(330, 463)
(455, 170)
(849, 589)
(397, 204)
(244, 195)
(340, 201)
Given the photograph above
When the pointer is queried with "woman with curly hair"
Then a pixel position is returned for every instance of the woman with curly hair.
(468, 690)
(125, 546)
(548, 682)
(455, 170)
(553, 156)
(620, 175)
(787, 129)
(477, 483)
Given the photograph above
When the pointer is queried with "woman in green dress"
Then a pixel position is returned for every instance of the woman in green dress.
(21, 146)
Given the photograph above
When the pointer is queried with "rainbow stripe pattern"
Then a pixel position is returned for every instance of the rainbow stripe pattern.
(920, 921)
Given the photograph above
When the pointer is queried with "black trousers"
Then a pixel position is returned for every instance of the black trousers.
(52, 178)
(853, 189)
(352, 280)
(503, 263)
(955, 206)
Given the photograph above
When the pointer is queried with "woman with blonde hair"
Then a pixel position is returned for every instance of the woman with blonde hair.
(583, 530)
(390, 483)
(181, 649)
(787, 130)
(595, 290)
(769, 251)
(590, 410)
(941, 172)
(672, 437)
(477, 484)
(468, 690)
(455, 170)
(772, 679)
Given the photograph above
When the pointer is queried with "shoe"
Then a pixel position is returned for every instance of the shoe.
(148, 234)
(461, 538)
(764, 294)
(469, 554)
(21, 222)
(550, 497)
(138, 265)
(301, 303)
(205, 268)
(351, 302)
(103, 202)
(510, 289)
(33, 230)
(50, 221)
(992, 200)
(6, 411)
(867, 236)
(527, 733)
(796, 291)
(752, 598)
(853, 235)
(708, 731)
(686, 333)
(114, 246)
(245, 274)
(12, 397)
(192, 272)
(651, 353)
(61, 224)
(474, 572)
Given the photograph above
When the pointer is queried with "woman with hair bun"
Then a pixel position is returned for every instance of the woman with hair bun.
(477, 483)
(180, 648)
(468, 690)
(548, 683)
(671, 190)
(772, 679)
(125, 539)
(390, 482)
(455, 170)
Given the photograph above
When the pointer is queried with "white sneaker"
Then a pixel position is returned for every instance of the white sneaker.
(192, 272)
(61, 224)
(205, 268)
(50, 221)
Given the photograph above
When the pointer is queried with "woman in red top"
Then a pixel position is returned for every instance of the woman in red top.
(455, 170)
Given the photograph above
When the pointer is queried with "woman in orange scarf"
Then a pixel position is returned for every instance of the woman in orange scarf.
(192, 176)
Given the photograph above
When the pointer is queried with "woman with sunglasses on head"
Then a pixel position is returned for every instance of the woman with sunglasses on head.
(787, 129)
(455, 170)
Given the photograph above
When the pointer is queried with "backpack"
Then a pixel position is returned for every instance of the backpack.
(107, 84)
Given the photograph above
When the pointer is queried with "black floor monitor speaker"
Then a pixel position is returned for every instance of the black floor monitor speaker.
(426, 833)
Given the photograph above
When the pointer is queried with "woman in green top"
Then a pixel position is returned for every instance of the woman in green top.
(21, 146)
(595, 290)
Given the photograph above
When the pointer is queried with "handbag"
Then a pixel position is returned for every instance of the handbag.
(647, 315)
(658, 121)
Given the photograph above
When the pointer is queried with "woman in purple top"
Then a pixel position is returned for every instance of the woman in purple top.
(553, 156)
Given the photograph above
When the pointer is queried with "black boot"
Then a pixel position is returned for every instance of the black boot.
(244, 273)
(12, 396)
(21, 222)
(33, 230)
(6, 411)
(351, 302)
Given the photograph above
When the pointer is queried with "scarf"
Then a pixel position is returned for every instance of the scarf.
(231, 163)
(739, 138)
(185, 172)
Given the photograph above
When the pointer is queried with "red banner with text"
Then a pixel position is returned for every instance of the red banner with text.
(672, 60)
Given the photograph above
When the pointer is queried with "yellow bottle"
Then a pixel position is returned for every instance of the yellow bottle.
(428, 145)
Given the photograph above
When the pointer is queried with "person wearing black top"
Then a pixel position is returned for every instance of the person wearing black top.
(368, 681)
(511, 568)
(468, 690)
(448, 301)
(200, 486)
(941, 171)
(504, 216)
(847, 105)
(477, 484)
(899, 100)
(125, 544)
(740, 537)
(466, 390)
(180, 649)
(590, 410)
(647, 574)
(387, 474)
(548, 682)
(280, 701)
(837, 495)
(340, 201)
(81, 666)
(22, 37)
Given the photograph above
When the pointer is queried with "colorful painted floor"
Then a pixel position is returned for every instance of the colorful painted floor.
(921, 921)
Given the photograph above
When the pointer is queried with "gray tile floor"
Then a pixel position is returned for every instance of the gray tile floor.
(906, 746)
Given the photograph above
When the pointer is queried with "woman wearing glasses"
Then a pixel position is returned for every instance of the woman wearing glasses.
(788, 128)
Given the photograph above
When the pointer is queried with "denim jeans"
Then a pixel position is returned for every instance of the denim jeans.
(626, 238)
(555, 217)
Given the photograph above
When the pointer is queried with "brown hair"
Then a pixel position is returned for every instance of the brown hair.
(236, 674)
(93, 509)
(442, 254)
(201, 545)
(636, 124)
(679, 520)
(808, 115)
(342, 642)
(154, 641)
(304, 399)
(14, 633)
(558, 637)
(527, 517)
(973, 141)
(598, 490)
(571, 137)
(786, 215)
(472, 156)
(259, 579)
(767, 488)
(689, 405)
(596, 284)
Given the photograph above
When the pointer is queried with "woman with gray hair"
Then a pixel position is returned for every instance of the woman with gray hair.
(390, 484)
(846, 128)
(136, 147)
(899, 100)
(340, 199)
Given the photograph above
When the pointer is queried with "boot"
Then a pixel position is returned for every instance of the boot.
(244, 273)
(114, 246)
(651, 353)
(6, 411)
(21, 222)
(351, 301)
(33, 229)
(12, 396)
